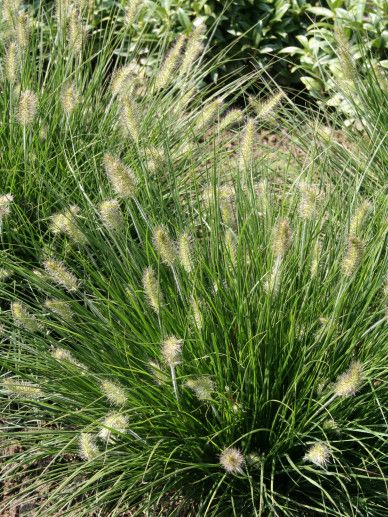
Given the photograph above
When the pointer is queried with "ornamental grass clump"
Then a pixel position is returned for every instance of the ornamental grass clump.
(217, 344)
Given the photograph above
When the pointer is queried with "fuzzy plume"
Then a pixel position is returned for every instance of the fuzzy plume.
(66, 223)
(88, 449)
(196, 313)
(5, 205)
(22, 29)
(114, 392)
(203, 387)
(266, 109)
(5, 274)
(232, 460)
(233, 117)
(152, 289)
(247, 142)
(309, 199)
(346, 61)
(185, 252)
(111, 215)
(348, 383)
(60, 308)
(353, 256)
(319, 454)
(209, 112)
(172, 351)
(23, 318)
(170, 64)
(69, 98)
(316, 256)
(130, 118)
(164, 245)
(194, 49)
(359, 217)
(131, 11)
(281, 239)
(123, 78)
(60, 275)
(23, 389)
(114, 422)
(12, 62)
(230, 243)
(63, 355)
(121, 177)
(27, 109)
(76, 32)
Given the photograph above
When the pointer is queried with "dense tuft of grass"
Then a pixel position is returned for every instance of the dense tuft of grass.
(186, 329)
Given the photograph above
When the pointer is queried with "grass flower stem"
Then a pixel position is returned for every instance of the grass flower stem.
(174, 382)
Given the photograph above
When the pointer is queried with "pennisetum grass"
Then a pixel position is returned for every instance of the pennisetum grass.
(190, 322)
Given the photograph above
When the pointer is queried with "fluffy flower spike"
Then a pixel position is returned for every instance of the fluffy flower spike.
(172, 350)
(114, 392)
(319, 454)
(349, 382)
(232, 460)
(88, 449)
(115, 422)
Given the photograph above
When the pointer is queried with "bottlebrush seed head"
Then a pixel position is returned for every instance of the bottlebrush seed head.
(196, 313)
(76, 31)
(23, 318)
(69, 98)
(353, 256)
(164, 245)
(232, 460)
(88, 449)
(185, 255)
(281, 240)
(5, 205)
(22, 29)
(208, 113)
(194, 49)
(60, 275)
(131, 11)
(152, 289)
(157, 372)
(230, 243)
(349, 382)
(111, 215)
(172, 350)
(9, 9)
(319, 454)
(309, 199)
(27, 109)
(359, 217)
(233, 117)
(12, 62)
(316, 255)
(66, 223)
(170, 64)
(61, 354)
(130, 117)
(120, 176)
(60, 308)
(22, 389)
(246, 147)
(114, 392)
(203, 387)
(4, 274)
(266, 109)
(115, 422)
(122, 79)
